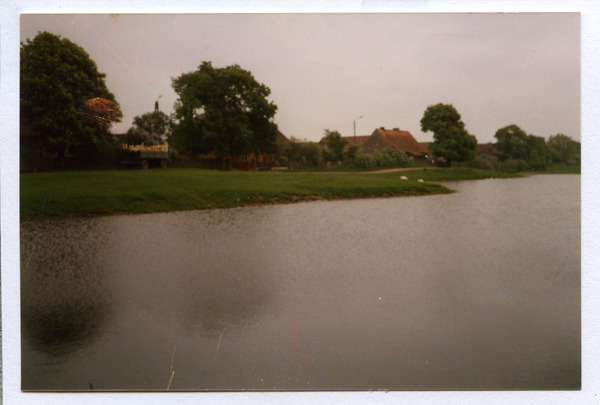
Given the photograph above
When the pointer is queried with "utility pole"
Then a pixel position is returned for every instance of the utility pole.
(156, 115)
(355, 128)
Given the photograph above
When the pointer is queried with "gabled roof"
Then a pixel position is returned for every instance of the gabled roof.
(359, 139)
(402, 140)
(486, 147)
(281, 138)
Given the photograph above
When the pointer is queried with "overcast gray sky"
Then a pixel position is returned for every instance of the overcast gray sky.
(326, 70)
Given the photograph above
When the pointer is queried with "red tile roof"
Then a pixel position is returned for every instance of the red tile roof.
(486, 147)
(360, 139)
(403, 141)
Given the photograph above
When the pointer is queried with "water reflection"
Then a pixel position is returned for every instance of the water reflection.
(223, 298)
(65, 288)
(475, 290)
(59, 329)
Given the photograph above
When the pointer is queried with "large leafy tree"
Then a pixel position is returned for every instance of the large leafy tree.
(60, 88)
(335, 143)
(149, 128)
(451, 140)
(156, 122)
(563, 149)
(222, 110)
(513, 141)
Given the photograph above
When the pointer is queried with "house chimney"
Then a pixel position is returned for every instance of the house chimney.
(382, 128)
(396, 129)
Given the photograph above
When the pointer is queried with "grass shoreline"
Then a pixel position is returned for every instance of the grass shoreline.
(80, 194)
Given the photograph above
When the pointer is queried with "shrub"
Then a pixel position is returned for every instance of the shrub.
(536, 162)
(382, 159)
(362, 162)
(137, 136)
(459, 164)
(328, 156)
(479, 162)
(310, 153)
(513, 166)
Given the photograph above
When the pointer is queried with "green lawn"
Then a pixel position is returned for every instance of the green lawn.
(88, 193)
(558, 169)
(112, 192)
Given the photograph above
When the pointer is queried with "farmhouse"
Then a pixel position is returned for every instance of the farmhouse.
(490, 152)
(352, 140)
(383, 138)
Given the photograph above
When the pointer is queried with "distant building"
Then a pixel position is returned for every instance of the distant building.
(382, 139)
(352, 140)
(490, 152)
(403, 141)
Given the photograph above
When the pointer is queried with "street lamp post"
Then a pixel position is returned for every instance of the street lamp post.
(355, 128)
(156, 114)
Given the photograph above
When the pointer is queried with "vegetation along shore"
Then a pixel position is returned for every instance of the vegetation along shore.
(115, 192)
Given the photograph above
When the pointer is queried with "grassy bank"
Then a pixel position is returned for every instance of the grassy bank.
(113, 192)
(90, 193)
(558, 169)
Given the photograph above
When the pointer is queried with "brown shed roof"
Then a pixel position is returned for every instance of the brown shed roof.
(402, 140)
(281, 138)
(486, 147)
(359, 139)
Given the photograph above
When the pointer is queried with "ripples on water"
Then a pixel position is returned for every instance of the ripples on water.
(478, 290)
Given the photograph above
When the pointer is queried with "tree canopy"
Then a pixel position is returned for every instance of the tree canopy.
(150, 128)
(512, 141)
(156, 122)
(303, 151)
(222, 110)
(63, 97)
(451, 140)
(563, 149)
(138, 135)
(335, 143)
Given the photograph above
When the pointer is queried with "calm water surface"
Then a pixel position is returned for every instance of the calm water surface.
(475, 290)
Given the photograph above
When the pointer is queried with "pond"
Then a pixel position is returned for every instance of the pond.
(479, 289)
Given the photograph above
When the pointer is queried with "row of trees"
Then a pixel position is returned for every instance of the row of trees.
(453, 143)
(516, 144)
(225, 111)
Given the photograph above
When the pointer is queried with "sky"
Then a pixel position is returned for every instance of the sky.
(327, 70)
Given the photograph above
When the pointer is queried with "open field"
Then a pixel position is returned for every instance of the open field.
(90, 193)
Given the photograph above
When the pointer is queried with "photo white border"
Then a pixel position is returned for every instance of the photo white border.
(9, 203)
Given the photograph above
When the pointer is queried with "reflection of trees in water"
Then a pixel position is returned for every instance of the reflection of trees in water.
(218, 299)
(65, 299)
(61, 329)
